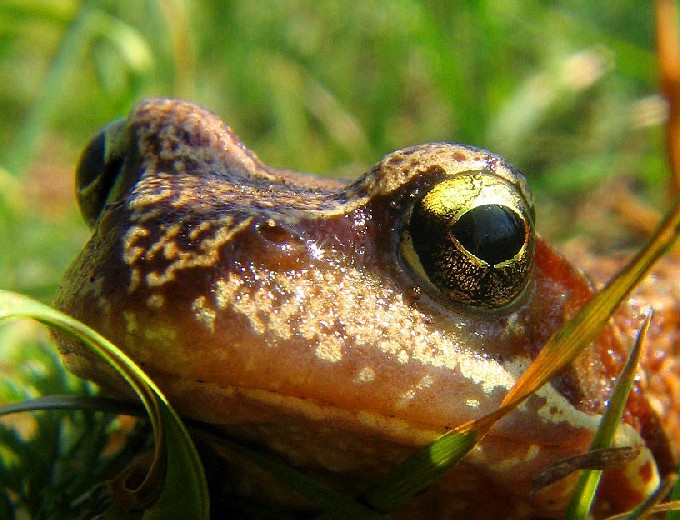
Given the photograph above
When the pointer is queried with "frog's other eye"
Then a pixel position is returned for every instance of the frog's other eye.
(471, 237)
(99, 169)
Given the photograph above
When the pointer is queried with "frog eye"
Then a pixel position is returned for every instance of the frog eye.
(471, 237)
(99, 169)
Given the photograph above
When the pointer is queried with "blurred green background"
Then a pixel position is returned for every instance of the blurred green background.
(564, 89)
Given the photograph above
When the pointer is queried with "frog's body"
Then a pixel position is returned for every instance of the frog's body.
(287, 310)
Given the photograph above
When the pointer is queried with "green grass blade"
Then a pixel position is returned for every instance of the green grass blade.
(675, 497)
(425, 467)
(419, 471)
(589, 480)
(73, 402)
(335, 504)
(64, 65)
(176, 481)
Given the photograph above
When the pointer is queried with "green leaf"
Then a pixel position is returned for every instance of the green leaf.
(589, 480)
(175, 485)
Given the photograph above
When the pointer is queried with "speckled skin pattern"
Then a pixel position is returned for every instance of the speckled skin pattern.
(279, 307)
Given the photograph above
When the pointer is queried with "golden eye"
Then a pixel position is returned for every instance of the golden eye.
(471, 236)
(99, 169)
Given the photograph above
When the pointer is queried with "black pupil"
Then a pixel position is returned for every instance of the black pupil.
(492, 233)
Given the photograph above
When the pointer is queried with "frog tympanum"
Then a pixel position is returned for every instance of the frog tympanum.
(342, 326)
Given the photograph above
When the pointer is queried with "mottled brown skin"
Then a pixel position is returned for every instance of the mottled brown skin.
(280, 307)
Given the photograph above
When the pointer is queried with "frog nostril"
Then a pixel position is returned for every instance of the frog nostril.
(279, 247)
(274, 232)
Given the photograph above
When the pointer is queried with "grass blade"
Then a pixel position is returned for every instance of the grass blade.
(73, 402)
(175, 484)
(425, 467)
(419, 471)
(589, 480)
(64, 65)
(335, 505)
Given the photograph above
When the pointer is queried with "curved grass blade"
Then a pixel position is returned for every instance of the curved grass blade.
(589, 480)
(651, 503)
(338, 504)
(335, 505)
(73, 402)
(175, 484)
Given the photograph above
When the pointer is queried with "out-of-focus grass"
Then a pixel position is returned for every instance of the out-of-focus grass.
(54, 463)
(564, 89)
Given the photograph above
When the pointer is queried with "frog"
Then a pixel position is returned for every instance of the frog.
(342, 326)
